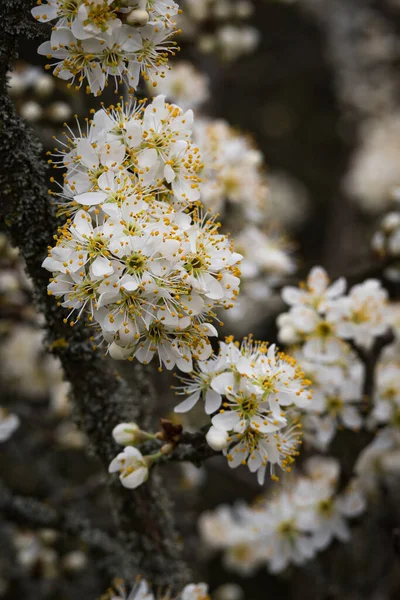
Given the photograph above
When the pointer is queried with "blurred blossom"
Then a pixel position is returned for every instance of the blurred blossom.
(376, 459)
(27, 368)
(74, 561)
(323, 318)
(290, 525)
(31, 111)
(336, 401)
(8, 424)
(184, 85)
(220, 26)
(263, 254)
(228, 591)
(233, 171)
(192, 477)
(374, 171)
(234, 41)
(68, 436)
(142, 591)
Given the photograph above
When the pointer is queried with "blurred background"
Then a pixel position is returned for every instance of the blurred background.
(311, 88)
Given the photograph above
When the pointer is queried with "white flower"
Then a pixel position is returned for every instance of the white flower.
(315, 291)
(287, 539)
(89, 41)
(132, 467)
(289, 525)
(336, 401)
(254, 385)
(386, 240)
(362, 314)
(141, 591)
(195, 591)
(386, 408)
(271, 258)
(8, 424)
(321, 316)
(133, 154)
(150, 278)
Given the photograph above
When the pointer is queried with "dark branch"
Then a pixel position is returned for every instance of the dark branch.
(101, 398)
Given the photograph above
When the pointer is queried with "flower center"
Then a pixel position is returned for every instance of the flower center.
(136, 263)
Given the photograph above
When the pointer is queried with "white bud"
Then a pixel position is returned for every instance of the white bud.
(125, 433)
(31, 111)
(217, 439)
(138, 18)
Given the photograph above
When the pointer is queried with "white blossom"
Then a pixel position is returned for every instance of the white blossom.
(288, 526)
(93, 40)
(250, 386)
(132, 466)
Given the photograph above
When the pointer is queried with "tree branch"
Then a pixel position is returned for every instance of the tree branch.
(101, 398)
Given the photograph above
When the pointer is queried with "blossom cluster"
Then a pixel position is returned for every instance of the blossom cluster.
(142, 591)
(337, 400)
(93, 40)
(322, 320)
(138, 254)
(251, 389)
(290, 527)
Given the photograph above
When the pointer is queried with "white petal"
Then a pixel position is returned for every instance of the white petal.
(188, 404)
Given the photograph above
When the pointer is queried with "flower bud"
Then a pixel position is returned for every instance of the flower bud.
(126, 434)
(217, 439)
(137, 18)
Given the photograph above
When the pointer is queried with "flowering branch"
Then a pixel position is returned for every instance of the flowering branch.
(102, 398)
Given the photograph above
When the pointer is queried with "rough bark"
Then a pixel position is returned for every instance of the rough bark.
(144, 522)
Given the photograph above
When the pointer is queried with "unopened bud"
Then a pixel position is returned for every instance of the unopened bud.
(167, 449)
(127, 434)
(217, 439)
(138, 18)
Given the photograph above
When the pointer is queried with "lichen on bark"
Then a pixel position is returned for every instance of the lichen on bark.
(144, 518)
